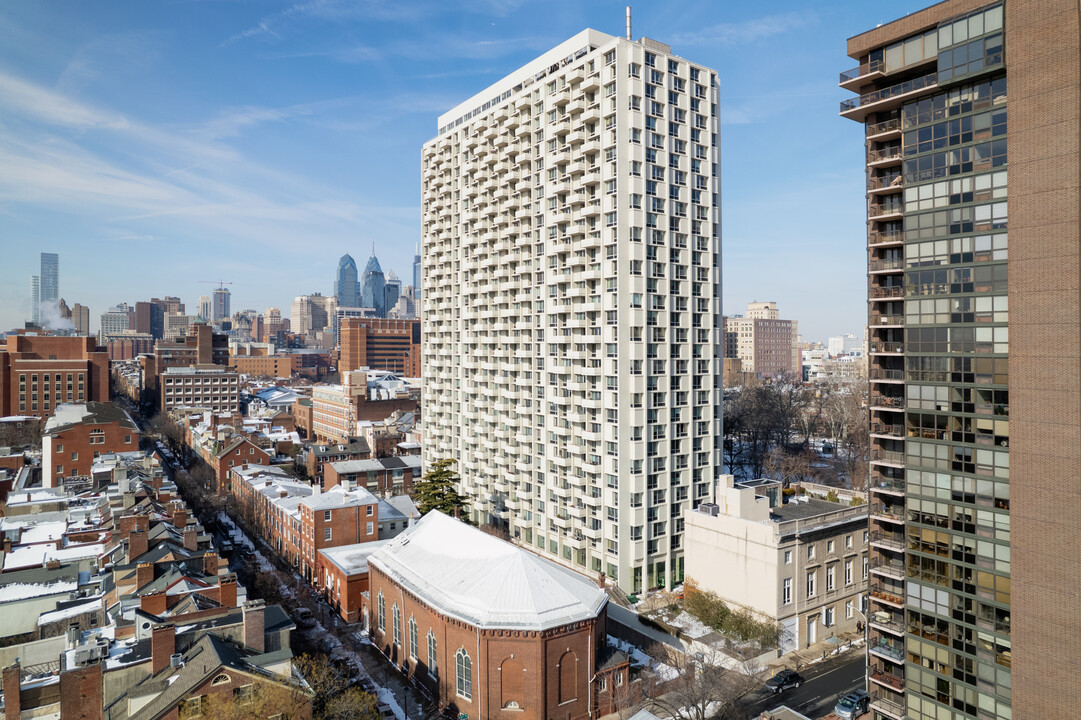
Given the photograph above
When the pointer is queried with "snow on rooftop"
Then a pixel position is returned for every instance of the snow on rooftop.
(338, 497)
(22, 591)
(46, 532)
(69, 612)
(482, 580)
(353, 559)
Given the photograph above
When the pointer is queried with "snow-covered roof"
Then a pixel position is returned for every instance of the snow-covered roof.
(353, 559)
(338, 497)
(46, 532)
(69, 612)
(484, 581)
(22, 591)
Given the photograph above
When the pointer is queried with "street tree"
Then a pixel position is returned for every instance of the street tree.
(704, 686)
(438, 490)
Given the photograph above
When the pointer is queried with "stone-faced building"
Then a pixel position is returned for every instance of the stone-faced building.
(490, 630)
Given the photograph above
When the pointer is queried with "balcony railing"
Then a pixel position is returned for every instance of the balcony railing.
(877, 319)
(889, 456)
(882, 237)
(887, 706)
(883, 127)
(864, 69)
(887, 347)
(880, 292)
(880, 482)
(887, 401)
(888, 511)
(884, 154)
(877, 96)
(886, 264)
(888, 209)
(897, 430)
(888, 650)
(888, 597)
(894, 541)
(887, 620)
(891, 569)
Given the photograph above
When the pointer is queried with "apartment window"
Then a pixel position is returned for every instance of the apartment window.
(829, 547)
(848, 541)
(786, 591)
(413, 638)
(326, 534)
(382, 612)
(463, 667)
(244, 694)
(811, 577)
(865, 567)
(787, 557)
(433, 666)
(849, 608)
(830, 578)
(371, 527)
(810, 552)
(848, 572)
(396, 619)
(827, 616)
(326, 515)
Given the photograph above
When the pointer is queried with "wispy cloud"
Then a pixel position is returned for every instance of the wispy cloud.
(745, 32)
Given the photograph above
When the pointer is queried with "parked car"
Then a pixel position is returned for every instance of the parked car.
(852, 705)
(304, 618)
(783, 680)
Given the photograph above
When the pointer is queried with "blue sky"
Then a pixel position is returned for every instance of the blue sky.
(158, 144)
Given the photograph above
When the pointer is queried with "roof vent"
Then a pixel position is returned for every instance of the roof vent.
(176, 660)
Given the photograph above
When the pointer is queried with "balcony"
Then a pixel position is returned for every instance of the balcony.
(892, 237)
(889, 183)
(884, 130)
(886, 211)
(888, 485)
(888, 457)
(888, 621)
(887, 348)
(895, 431)
(886, 265)
(888, 651)
(884, 157)
(887, 98)
(882, 677)
(886, 401)
(888, 512)
(894, 570)
(885, 597)
(886, 292)
(884, 320)
(887, 706)
(858, 76)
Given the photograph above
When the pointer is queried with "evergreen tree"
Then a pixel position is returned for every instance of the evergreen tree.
(438, 490)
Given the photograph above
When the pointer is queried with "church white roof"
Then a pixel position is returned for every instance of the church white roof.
(484, 581)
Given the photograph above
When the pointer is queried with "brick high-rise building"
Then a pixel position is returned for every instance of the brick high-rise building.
(571, 284)
(38, 372)
(380, 344)
(764, 343)
(974, 357)
(80, 318)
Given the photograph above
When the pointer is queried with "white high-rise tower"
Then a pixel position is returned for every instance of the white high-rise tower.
(572, 340)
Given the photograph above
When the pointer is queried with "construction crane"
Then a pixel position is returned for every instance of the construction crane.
(220, 283)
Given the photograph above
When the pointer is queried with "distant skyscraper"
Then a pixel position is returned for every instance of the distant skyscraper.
(80, 317)
(49, 292)
(416, 275)
(373, 287)
(116, 320)
(391, 292)
(346, 288)
(221, 305)
(205, 308)
(35, 299)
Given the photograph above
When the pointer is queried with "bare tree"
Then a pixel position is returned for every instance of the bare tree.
(704, 686)
(790, 467)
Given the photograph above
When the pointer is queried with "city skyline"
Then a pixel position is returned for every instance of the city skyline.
(125, 140)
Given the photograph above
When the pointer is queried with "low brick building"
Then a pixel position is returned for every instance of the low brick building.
(39, 372)
(78, 435)
(489, 629)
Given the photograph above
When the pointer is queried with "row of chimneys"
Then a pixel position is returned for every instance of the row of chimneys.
(81, 688)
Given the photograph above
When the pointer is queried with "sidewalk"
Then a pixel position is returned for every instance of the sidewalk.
(819, 651)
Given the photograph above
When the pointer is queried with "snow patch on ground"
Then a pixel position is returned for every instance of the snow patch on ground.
(690, 625)
(664, 672)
